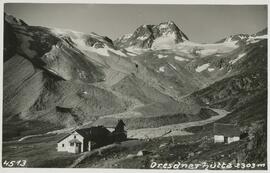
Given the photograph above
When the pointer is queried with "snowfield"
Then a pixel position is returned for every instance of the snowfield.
(79, 39)
(189, 48)
(210, 69)
(205, 49)
(202, 67)
(178, 58)
(162, 56)
(166, 41)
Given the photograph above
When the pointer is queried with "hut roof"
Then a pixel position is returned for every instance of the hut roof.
(92, 133)
(227, 130)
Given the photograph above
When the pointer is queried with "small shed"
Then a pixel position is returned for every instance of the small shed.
(226, 133)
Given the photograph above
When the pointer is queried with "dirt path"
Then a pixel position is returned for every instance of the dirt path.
(66, 130)
(174, 129)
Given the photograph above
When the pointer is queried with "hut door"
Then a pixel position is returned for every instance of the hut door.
(226, 139)
(78, 148)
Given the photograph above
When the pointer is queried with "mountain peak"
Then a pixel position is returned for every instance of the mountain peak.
(146, 35)
(169, 22)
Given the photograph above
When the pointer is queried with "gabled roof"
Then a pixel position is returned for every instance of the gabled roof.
(91, 133)
(64, 137)
(85, 132)
(227, 130)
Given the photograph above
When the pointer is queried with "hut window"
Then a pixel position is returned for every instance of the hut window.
(63, 145)
(74, 136)
(71, 144)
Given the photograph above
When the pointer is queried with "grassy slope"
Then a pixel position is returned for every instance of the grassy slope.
(38, 152)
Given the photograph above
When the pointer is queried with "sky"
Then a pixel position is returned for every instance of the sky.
(201, 23)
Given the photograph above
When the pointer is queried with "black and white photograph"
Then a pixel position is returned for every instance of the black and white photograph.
(134, 86)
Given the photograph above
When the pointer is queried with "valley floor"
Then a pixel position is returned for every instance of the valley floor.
(174, 129)
(196, 148)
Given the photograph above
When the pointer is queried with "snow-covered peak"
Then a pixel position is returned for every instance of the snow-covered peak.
(166, 25)
(147, 36)
(92, 39)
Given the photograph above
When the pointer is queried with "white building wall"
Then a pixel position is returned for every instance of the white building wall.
(66, 143)
(233, 139)
(110, 129)
(218, 138)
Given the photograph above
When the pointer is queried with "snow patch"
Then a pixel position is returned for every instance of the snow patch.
(202, 67)
(255, 39)
(161, 56)
(163, 26)
(238, 58)
(178, 58)
(161, 69)
(211, 69)
(206, 52)
(126, 36)
(52, 71)
(142, 37)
